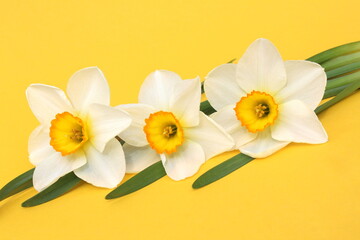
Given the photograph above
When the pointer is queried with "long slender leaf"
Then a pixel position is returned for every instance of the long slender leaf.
(240, 160)
(60, 187)
(341, 61)
(343, 94)
(343, 70)
(232, 60)
(16, 185)
(335, 52)
(341, 81)
(334, 91)
(140, 180)
(221, 170)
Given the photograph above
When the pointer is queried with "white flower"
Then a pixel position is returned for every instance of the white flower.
(77, 134)
(168, 126)
(265, 103)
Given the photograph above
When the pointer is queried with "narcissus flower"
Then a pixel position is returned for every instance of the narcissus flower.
(77, 134)
(265, 103)
(168, 126)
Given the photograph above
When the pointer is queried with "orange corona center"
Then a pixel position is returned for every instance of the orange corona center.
(163, 132)
(256, 111)
(67, 133)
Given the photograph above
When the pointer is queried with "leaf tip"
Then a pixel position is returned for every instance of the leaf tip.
(232, 60)
(109, 196)
(26, 204)
(196, 184)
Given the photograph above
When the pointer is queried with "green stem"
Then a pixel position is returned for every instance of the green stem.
(341, 61)
(334, 91)
(350, 89)
(342, 81)
(343, 70)
(335, 52)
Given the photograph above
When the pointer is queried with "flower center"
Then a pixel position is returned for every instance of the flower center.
(163, 132)
(67, 133)
(262, 110)
(256, 111)
(170, 131)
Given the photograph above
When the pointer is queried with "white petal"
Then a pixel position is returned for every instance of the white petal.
(55, 166)
(139, 158)
(263, 146)
(306, 81)
(47, 101)
(221, 87)
(88, 86)
(105, 123)
(135, 135)
(298, 123)
(39, 147)
(185, 162)
(212, 138)
(185, 102)
(226, 118)
(103, 169)
(261, 68)
(157, 89)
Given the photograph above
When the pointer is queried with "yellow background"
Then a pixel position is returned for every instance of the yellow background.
(301, 192)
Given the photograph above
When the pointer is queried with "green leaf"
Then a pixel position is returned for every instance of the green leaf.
(60, 187)
(341, 81)
(230, 165)
(335, 52)
(232, 60)
(341, 61)
(343, 94)
(222, 170)
(139, 181)
(16, 185)
(334, 91)
(343, 70)
(206, 108)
